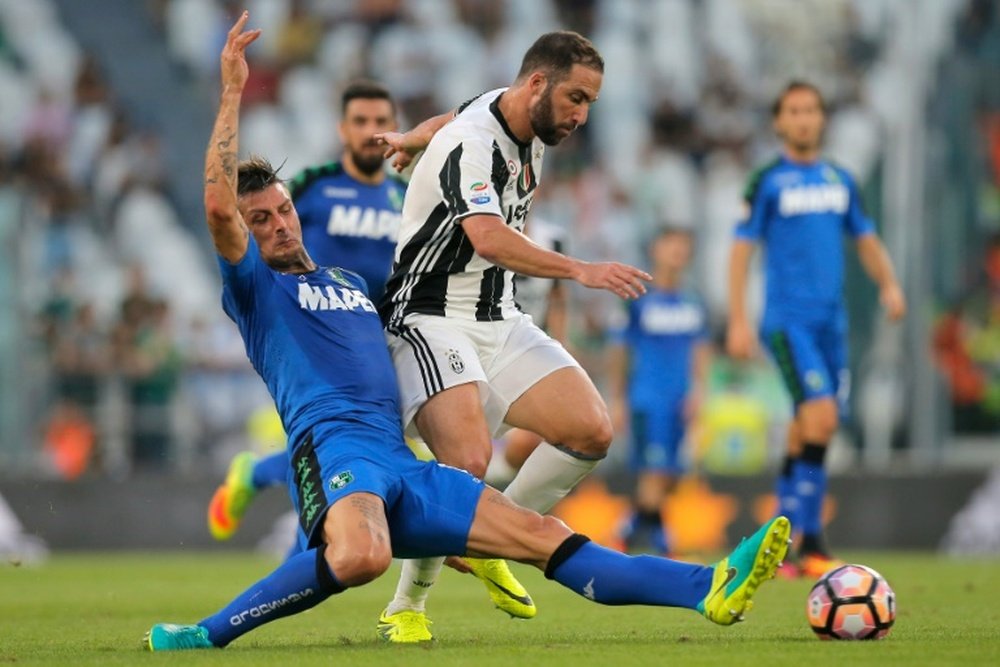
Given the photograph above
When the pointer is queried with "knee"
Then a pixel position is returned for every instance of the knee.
(356, 565)
(820, 425)
(592, 435)
(473, 460)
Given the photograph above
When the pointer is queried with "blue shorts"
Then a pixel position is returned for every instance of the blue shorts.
(657, 435)
(812, 359)
(429, 506)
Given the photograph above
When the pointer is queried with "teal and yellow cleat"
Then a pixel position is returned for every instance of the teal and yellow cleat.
(170, 637)
(231, 499)
(404, 627)
(738, 575)
(506, 591)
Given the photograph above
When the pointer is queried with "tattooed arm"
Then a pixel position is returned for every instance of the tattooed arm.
(229, 232)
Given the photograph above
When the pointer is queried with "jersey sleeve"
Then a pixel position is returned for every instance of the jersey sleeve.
(239, 281)
(856, 222)
(467, 183)
(756, 205)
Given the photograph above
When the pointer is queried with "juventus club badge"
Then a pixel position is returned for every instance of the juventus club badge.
(455, 360)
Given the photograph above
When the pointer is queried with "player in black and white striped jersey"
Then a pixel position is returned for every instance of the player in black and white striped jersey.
(470, 363)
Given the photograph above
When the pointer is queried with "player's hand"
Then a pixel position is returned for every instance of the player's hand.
(402, 145)
(622, 279)
(741, 341)
(235, 70)
(893, 301)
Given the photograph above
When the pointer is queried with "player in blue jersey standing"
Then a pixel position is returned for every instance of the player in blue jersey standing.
(362, 497)
(799, 207)
(350, 214)
(659, 365)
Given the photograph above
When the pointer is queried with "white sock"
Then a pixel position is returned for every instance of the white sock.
(546, 477)
(415, 582)
(499, 472)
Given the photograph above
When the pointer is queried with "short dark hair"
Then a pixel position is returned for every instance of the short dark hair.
(556, 52)
(671, 229)
(255, 174)
(365, 89)
(793, 86)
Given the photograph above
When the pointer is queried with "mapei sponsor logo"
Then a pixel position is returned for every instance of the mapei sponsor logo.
(261, 610)
(334, 192)
(671, 319)
(328, 297)
(365, 222)
(826, 198)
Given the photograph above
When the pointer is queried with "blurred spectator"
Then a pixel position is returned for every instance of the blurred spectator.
(68, 442)
(81, 360)
(218, 382)
(299, 37)
(150, 362)
(966, 343)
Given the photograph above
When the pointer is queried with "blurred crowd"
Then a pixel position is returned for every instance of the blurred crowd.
(126, 359)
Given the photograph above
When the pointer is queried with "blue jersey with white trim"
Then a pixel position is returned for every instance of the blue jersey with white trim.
(661, 332)
(349, 224)
(800, 212)
(316, 341)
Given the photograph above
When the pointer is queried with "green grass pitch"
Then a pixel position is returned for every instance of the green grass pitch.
(92, 609)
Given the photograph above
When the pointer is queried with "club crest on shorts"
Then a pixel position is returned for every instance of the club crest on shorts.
(340, 480)
(455, 361)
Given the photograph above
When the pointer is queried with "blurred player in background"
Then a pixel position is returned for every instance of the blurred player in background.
(799, 207)
(469, 362)
(362, 497)
(659, 366)
(350, 214)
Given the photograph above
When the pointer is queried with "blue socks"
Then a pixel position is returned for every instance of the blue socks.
(645, 531)
(301, 582)
(809, 481)
(271, 470)
(612, 578)
(784, 491)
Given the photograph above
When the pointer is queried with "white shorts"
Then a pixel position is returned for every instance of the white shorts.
(505, 358)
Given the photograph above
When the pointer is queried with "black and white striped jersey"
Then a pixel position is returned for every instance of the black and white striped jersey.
(473, 165)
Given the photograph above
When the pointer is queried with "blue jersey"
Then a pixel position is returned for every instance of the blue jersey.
(800, 214)
(316, 341)
(662, 330)
(349, 224)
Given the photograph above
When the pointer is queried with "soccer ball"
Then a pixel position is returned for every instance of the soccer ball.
(851, 602)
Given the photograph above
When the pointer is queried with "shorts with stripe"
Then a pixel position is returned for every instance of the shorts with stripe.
(429, 506)
(812, 359)
(505, 358)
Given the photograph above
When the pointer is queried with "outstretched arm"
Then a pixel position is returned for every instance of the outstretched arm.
(406, 145)
(741, 339)
(229, 232)
(497, 243)
(878, 265)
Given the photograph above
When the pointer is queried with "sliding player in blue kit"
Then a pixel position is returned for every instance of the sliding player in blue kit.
(350, 215)
(799, 208)
(362, 497)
